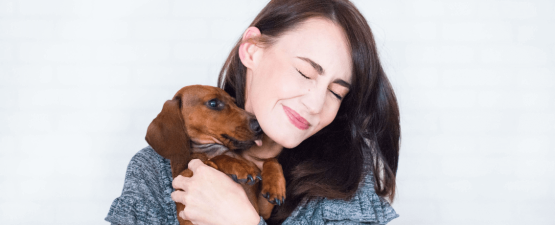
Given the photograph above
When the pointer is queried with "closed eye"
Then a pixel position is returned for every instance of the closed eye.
(336, 95)
(302, 74)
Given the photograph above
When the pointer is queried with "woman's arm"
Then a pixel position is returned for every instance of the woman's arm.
(211, 197)
(144, 198)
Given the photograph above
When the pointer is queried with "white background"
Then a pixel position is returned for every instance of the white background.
(81, 80)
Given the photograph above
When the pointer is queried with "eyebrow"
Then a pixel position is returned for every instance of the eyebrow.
(320, 71)
(316, 66)
(342, 83)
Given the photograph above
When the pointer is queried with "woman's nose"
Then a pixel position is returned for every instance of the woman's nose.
(314, 100)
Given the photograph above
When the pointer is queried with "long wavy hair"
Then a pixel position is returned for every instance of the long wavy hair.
(363, 138)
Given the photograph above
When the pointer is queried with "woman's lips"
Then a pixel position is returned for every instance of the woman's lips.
(295, 118)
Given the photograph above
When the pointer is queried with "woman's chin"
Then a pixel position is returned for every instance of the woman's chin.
(289, 143)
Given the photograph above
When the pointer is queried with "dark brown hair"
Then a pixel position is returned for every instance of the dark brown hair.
(364, 136)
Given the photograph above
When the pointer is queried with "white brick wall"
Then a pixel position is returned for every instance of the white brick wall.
(81, 80)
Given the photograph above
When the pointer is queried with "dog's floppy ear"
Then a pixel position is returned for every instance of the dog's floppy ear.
(167, 135)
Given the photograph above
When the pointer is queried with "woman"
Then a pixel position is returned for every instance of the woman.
(310, 73)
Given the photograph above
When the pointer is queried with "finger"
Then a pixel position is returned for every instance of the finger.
(180, 182)
(182, 215)
(178, 196)
(195, 164)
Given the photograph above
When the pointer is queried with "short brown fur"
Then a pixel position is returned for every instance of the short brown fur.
(188, 128)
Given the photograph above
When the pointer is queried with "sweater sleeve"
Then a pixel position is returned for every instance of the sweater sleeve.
(146, 195)
(262, 221)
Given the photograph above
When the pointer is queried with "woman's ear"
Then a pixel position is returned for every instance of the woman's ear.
(248, 48)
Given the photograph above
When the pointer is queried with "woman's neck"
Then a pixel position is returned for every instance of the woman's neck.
(257, 154)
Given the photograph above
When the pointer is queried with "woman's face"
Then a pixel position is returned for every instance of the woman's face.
(296, 85)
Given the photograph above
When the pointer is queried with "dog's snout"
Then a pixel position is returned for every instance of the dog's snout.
(255, 126)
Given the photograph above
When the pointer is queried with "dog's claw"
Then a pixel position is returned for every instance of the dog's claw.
(251, 180)
(234, 177)
(274, 201)
(258, 177)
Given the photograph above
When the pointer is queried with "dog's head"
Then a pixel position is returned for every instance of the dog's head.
(211, 116)
(203, 115)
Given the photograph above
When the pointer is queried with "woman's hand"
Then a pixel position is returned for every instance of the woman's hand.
(211, 197)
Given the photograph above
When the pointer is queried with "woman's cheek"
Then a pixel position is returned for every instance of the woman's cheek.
(330, 113)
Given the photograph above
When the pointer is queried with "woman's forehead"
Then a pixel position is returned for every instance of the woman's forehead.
(321, 41)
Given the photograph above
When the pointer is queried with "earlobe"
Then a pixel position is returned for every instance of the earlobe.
(248, 48)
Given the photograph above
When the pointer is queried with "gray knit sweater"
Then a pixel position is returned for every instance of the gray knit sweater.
(146, 199)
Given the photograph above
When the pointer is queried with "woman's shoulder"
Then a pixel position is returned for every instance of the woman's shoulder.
(365, 206)
(148, 165)
(148, 157)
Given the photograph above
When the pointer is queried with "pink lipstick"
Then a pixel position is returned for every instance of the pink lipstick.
(295, 118)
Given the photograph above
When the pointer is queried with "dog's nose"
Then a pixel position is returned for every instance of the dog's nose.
(255, 126)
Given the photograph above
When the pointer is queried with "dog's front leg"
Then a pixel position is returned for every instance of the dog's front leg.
(273, 182)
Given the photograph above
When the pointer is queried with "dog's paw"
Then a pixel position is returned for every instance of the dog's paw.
(273, 183)
(274, 191)
(273, 187)
(240, 171)
(244, 174)
(250, 180)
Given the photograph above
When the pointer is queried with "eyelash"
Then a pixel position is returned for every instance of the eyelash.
(302, 74)
(335, 94)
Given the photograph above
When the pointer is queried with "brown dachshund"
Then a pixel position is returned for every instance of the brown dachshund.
(203, 122)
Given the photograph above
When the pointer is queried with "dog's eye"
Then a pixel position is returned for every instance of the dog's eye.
(215, 104)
